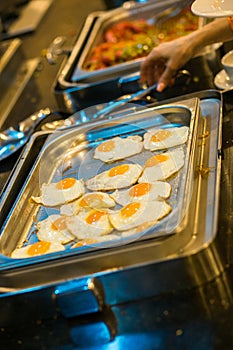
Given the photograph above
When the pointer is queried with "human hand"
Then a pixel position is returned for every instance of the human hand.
(162, 64)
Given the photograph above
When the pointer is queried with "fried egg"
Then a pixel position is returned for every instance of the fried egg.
(54, 229)
(158, 139)
(36, 249)
(89, 223)
(143, 191)
(138, 229)
(118, 148)
(119, 176)
(137, 213)
(94, 200)
(58, 193)
(90, 241)
(162, 166)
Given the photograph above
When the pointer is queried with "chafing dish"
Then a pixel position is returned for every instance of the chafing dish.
(187, 257)
(75, 86)
(71, 152)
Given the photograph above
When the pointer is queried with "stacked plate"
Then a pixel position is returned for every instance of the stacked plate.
(212, 8)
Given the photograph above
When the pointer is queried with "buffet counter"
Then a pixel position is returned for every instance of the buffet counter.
(184, 304)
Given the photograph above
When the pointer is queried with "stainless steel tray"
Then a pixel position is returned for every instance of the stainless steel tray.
(75, 86)
(134, 11)
(70, 153)
(187, 258)
(73, 72)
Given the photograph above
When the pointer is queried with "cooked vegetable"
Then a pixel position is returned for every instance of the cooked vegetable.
(129, 40)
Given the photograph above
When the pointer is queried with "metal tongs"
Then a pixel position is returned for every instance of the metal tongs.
(12, 139)
(98, 111)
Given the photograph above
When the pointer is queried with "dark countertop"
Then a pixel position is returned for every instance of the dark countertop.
(197, 318)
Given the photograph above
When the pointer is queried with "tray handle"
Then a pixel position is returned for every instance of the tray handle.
(79, 297)
(90, 320)
(56, 49)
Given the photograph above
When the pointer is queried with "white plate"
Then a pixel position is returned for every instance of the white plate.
(222, 81)
(212, 8)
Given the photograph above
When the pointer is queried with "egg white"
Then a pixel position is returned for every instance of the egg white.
(158, 139)
(149, 211)
(81, 229)
(157, 190)
(54, 229)
(104, 181)
(118, 148)
(163, 169)
(52, 194)
(23, 252)
(98, 239)
(138, 229)
(94, 200)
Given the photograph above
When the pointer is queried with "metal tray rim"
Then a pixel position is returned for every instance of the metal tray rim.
(67, 134)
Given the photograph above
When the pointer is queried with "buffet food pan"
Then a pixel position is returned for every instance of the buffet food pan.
(157, 249)
(84, 72)
(75, 85)
(70, 154)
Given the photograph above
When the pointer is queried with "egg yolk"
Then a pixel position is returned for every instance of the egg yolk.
(130, 209)
(161, 135)
(65, 183)
(38, 248)
(85, 202)
(159, 158)
(106, 146)
(94, 217)
(59, 224)
(140, 189)
(118, 170)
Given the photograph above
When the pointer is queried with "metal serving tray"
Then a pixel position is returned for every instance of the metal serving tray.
(70, 153)
(186, 258)
(146, 11)
(75, 86)
(72, 72)
(134, 11)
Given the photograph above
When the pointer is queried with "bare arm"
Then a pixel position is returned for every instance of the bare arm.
(166, 59)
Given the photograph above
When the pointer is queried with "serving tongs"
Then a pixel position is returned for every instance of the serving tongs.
(99, 111)
(12, 139)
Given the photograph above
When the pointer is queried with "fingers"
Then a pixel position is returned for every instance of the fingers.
(162, 64)
(149, 68)
(166, 78)
(153, 71)
(155, 68)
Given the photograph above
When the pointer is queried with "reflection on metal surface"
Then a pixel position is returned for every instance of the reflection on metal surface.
(13, 138)
(102, 327)
(223, 288)
(7, 290)
(87, 296)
